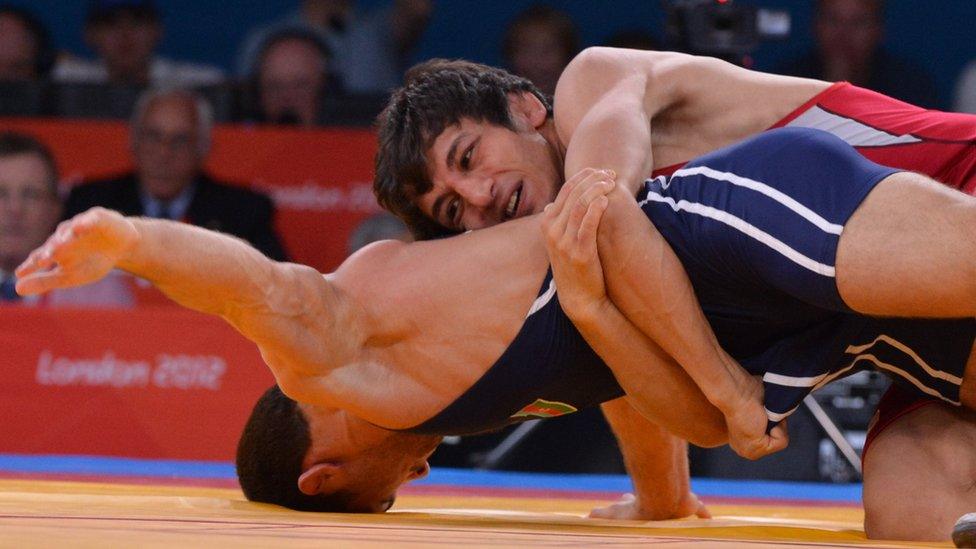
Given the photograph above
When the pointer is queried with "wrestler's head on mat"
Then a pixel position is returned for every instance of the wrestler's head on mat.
(465, 146)
(313, 459)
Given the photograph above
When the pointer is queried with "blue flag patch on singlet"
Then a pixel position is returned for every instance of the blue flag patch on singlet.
(544, 409)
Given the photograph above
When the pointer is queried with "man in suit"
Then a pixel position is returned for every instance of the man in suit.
(170, 136)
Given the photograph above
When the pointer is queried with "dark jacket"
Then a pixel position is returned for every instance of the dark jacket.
(218, 206)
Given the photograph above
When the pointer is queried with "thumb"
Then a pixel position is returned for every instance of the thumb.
(39, 283)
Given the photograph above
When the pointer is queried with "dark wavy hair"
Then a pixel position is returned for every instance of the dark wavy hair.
(436, 94)
(270, 453)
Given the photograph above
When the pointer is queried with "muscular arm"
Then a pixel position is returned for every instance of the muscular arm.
(659, 389)
(610, 97)
(279, 306)
(657, 462)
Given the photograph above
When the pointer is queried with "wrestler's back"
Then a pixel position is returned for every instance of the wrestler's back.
(442, 312)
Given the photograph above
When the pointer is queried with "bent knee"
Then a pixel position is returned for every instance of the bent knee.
(914, 521)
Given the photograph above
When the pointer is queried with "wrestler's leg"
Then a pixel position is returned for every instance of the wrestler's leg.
(910, 250)
(920, 475)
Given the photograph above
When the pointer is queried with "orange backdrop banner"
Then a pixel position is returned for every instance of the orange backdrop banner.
(156, 383)
(320, 180)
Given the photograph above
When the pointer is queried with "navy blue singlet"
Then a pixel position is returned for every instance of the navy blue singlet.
(756, 226)
(547, 371)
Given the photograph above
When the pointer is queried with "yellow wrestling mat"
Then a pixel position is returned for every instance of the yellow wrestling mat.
(77, 514)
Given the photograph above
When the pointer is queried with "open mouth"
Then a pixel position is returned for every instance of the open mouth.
(513, 203)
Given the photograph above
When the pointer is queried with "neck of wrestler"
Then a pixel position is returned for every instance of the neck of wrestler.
(557, 149)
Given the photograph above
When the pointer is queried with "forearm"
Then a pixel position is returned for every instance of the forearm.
(615, 134)
(278, 306)
(606, 102)
(656, 386)
(198, 268)
(649, 285)
(656, 460)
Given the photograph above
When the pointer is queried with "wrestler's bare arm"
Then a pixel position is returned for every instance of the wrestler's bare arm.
(656, 459)
(657, 462)
(279, 306)
(695, 104)
(608, 101)
(607, 124)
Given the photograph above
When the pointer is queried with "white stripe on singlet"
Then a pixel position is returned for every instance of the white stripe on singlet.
(856, 133)
(543, 299)
(792, 381)
(774, 417)
(746, 228)
(762, 188)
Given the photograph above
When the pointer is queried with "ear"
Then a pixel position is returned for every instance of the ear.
(420, 470)
(527, 106)
(321, 478)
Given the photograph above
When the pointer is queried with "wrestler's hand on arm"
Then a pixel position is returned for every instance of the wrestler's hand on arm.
(655, 459)
(606, 100)
(271, 303)
(658, 465)
(653, 381)
(647, 283)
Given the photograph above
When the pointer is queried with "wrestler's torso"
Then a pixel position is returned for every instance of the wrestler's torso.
(442, 312)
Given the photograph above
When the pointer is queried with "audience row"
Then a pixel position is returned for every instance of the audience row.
(170, 138)
(328, 57)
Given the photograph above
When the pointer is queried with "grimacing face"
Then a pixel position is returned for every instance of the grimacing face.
(485, 174)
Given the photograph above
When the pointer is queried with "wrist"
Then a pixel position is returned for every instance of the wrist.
(131, 235)
(661, 508)
(726, 384)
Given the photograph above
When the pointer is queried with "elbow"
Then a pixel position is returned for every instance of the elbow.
(709, 433)
(710, 439)
(590, 57)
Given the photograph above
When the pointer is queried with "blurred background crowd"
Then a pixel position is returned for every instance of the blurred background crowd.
(173, 71)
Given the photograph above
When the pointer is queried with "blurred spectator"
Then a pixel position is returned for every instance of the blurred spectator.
(170, 135)
(538, 45)
(29, 209)
(370, 48)
(635, 39)
(848, 35)
(965, 98)
(124, 35)
(291, 78)
(380, 226)
(25, 47)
